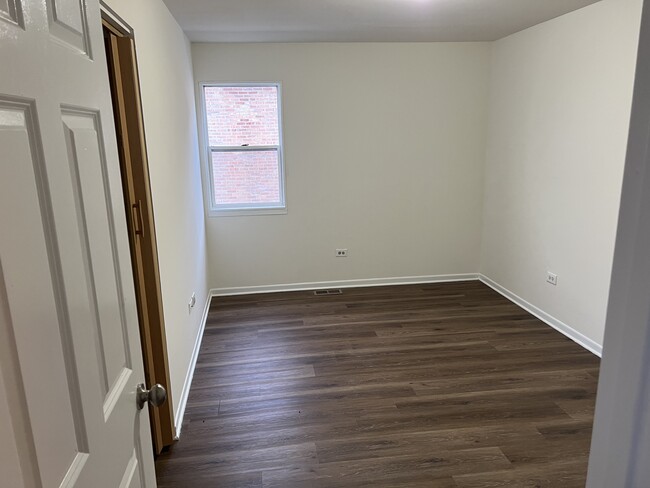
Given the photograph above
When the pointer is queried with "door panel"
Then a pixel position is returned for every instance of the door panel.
(131, 478)
(92, 198)
(68, 23)
(11, 11)
(70, 353)
(28, 235)
(18, 455)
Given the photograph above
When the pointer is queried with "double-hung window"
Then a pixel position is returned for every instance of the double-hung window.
(244, 136)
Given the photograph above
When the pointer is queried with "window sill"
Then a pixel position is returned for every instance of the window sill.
(244, 212)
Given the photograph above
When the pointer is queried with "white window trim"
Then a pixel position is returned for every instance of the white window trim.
(214, 210)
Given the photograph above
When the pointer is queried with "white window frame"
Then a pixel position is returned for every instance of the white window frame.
(219, 210)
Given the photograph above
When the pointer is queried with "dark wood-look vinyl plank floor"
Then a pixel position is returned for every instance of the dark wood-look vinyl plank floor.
(439, 385)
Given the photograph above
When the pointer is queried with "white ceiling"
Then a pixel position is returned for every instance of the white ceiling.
(362, 20)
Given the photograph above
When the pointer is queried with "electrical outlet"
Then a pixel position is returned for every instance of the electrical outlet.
(551, 278)
(191, 303)
(341, 253)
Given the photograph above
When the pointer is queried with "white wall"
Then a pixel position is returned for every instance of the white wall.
(384, 149)
(559, 114)
(165, 69)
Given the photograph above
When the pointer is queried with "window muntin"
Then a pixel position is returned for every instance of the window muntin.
(245, 146)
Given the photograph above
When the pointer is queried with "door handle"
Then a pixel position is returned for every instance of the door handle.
(156, 396)
(137, 217)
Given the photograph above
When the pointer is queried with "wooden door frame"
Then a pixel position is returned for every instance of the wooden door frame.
(129, 126)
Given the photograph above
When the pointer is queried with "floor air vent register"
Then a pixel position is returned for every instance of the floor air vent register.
(320, 293)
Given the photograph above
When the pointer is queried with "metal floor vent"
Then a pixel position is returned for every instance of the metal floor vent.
(320, 293)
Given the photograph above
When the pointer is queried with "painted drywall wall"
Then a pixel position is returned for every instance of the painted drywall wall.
(165, 68)
(384, 149)
(559, 110)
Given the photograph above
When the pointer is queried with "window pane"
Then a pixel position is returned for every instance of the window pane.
(246, 177)
(240, 115)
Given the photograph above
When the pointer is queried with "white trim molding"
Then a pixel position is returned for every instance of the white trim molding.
(185, 393)
(117, 21)
(320, 285)
(570, 332)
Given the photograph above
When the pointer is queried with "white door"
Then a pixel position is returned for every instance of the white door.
(70, 355)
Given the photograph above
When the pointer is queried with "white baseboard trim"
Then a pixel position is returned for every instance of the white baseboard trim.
(319, 285)
(570, 332)
(180, 412)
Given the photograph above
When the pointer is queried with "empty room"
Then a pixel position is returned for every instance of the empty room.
(279, 243)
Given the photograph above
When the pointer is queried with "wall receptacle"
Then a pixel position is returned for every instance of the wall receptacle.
(341, 253)
(551, 278)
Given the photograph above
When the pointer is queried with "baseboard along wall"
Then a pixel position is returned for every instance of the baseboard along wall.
(185, 393)
(320, 285)
(557, 324)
